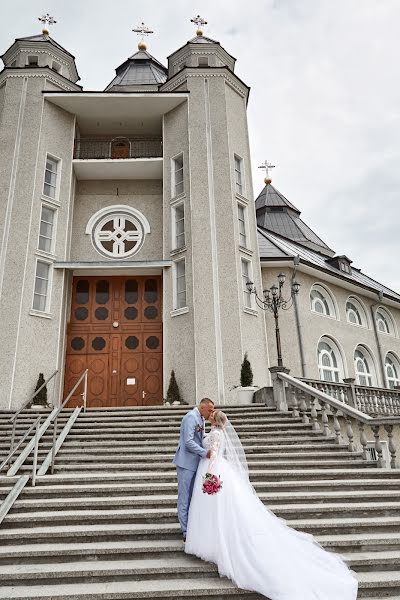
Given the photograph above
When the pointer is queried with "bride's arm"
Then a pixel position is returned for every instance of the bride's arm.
(215, 441)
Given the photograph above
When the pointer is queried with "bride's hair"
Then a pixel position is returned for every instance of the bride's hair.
(220, 418)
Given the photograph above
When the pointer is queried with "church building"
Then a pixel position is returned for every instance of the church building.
(129, 234)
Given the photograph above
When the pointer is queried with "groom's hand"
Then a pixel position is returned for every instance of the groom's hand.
(209, 454)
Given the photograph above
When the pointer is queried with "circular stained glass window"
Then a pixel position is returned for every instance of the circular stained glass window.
(131, 313)
(81, 313)
(132, 342)
(118, 235)
(98, 343)
(77, 343)
(152, 342)
(150, 312)
(101, 313)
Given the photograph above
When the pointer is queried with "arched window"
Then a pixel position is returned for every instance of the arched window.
(364, 367)
(384, 321)
(118, 231)
(321, 301)
(392, 367)
(330, 364)
(355, 312)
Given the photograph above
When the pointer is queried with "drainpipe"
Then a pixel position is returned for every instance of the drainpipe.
(378, 343)
(296, 262)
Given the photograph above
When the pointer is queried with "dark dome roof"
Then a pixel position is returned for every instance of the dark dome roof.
(141, 69)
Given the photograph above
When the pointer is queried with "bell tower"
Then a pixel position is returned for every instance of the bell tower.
(31, 131)
(206, 146)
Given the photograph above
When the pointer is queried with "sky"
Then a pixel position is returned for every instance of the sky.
(324, 103)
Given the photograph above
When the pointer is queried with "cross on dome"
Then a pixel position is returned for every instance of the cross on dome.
(199, 21)
(267, 166)
(46, 20)
(142, 30)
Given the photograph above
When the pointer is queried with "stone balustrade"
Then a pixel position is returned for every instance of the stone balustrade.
(333, 416)
(369, 400)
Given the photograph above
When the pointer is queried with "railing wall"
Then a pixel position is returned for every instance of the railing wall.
(135, 147)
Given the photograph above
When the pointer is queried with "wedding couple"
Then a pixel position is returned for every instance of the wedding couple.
(233, 529)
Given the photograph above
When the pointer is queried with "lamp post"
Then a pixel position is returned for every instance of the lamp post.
(273, 301)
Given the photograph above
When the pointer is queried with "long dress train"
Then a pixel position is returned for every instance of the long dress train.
(253, 547)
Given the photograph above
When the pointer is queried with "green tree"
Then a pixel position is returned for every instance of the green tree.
(246, 374)
(173, 394)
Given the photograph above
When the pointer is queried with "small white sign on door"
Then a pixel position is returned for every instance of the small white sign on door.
(130, 381)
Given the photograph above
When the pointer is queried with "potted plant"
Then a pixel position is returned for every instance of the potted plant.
(173, 394)
(246, 389)
(40, 400)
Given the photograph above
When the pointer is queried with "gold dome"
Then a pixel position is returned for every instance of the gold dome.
(199, 32)
(267, 180)
(45, 31)
(142, 45)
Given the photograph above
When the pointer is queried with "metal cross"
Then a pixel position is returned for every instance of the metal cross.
(267, 166)
(142, 30)
(47, 20)
(199, 21)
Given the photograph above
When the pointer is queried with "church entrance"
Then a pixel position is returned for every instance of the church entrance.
(115, 331)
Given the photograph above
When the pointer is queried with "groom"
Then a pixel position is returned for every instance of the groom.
(187, 457)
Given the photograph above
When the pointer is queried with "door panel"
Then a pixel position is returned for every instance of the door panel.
(115, 331)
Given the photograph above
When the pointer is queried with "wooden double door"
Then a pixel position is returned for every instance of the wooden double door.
(115, 331)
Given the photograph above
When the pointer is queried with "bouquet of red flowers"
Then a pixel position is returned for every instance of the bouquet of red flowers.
(211, 484)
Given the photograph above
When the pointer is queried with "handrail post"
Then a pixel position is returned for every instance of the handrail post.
(352, 397)
(278, 388)
(53, 450)
(85, 391)
(35, 454)
(12, 439)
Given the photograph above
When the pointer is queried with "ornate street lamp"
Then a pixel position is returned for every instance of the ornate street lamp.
(273, 301)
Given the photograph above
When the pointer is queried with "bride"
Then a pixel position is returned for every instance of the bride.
(248, 543)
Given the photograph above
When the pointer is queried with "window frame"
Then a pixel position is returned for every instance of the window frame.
(243, 207)
(329, 299)
(174, 171)
(174, 244)
(387, 316)
(56, 199)
(371, 372)
(54, 210)
(396, 365)
(361, 310)
(46, 311)
(335, 351)
(246, 295)
(239, 185)
(176, 293)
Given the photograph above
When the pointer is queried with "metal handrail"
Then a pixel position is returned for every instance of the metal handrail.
(11, 454)
(14, 418)
(84, 395)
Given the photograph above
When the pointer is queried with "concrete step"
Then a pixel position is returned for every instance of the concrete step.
(163, 568)
(195, 589)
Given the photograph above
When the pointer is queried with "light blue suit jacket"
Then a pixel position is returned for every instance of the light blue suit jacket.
(190, 448)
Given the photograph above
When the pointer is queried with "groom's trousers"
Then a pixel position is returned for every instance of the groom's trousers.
(185, 491)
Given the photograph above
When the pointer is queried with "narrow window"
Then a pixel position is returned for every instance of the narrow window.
(177, 176)
(50, 177)
(242, 226)
(239, 175)
(33, 61)
(180, 273)
(46, 229)
(179, 240)
(245, 279)
(40, 297)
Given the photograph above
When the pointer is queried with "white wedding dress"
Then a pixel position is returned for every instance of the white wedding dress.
(253, 547)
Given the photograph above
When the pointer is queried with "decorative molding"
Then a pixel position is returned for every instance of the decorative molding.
(250, 311)
(179, 311)
(170, 86)
(44, 74)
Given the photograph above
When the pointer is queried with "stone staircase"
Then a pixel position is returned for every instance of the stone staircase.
(104, 526)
